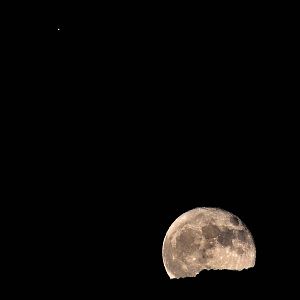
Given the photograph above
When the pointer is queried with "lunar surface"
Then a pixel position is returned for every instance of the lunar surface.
(207, 238)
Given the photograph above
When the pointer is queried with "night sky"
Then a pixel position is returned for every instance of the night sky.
(166, 103)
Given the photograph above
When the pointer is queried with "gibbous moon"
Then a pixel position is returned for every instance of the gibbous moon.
(207, 238)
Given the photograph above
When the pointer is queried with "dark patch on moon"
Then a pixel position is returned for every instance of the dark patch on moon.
(225, 237)
(204, 256)
(204, 253)
(210, 231)
(242, 235)
(234, 220)
(185, 242)
(240, 251)
(187, 236)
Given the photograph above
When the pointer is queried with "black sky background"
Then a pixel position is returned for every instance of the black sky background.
(153, 112)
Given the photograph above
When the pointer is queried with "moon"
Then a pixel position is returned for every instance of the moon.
(207, 239)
